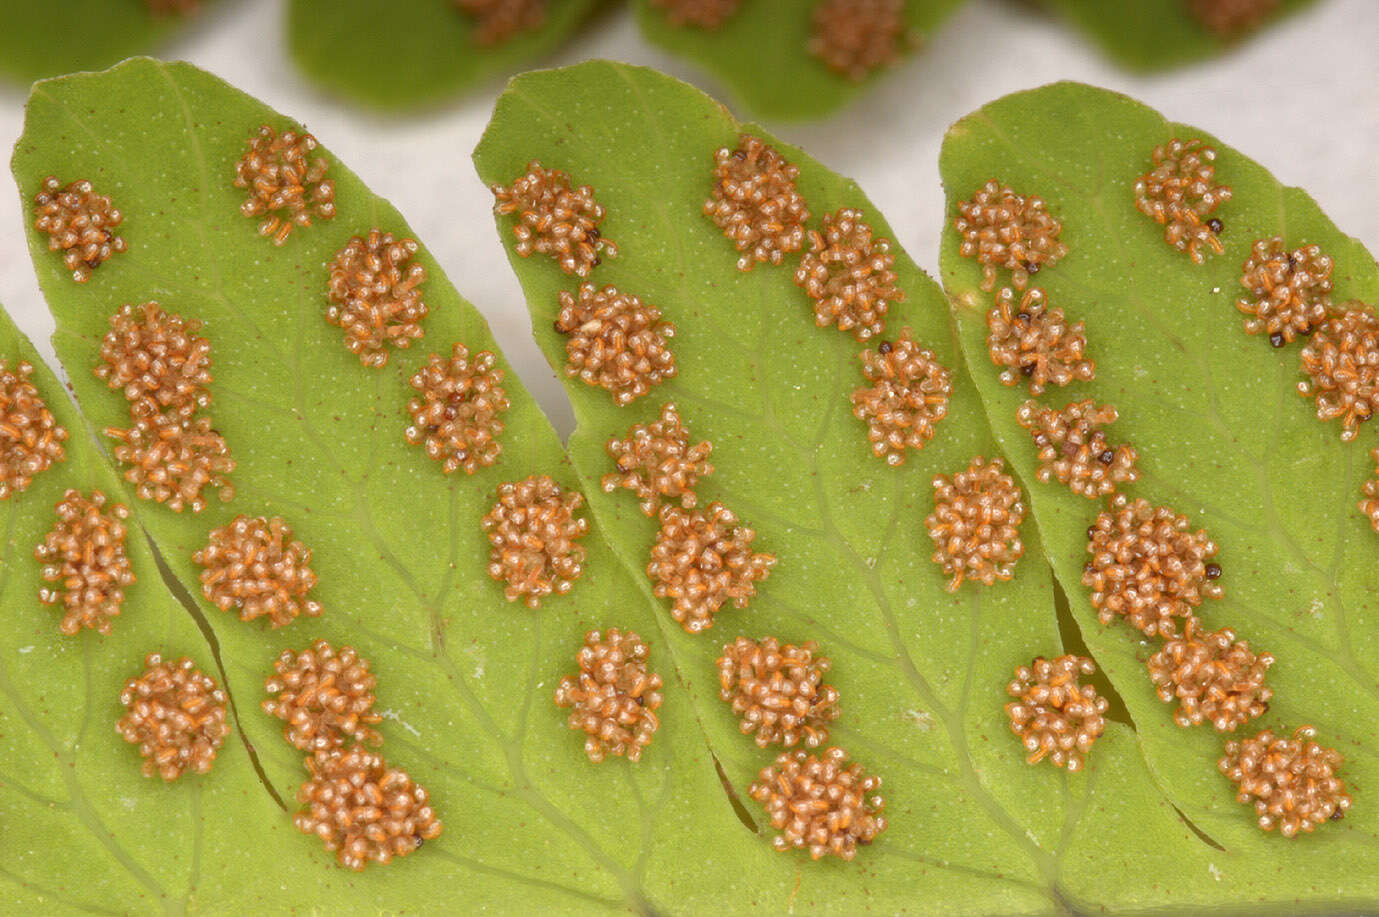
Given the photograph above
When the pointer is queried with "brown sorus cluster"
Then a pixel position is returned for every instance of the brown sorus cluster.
(702, 559)
(615, 341)
(162, 365)
(706, 14)
(535, 536)
(820, 802)
(287, 185)
(849, 275)
(1073, 448)
(30, 438)
(84, 556)
(656, 462)
(777, 692)
(1002, 229)
(458, 416)
(614, 697)
(326, 696)
(553, 218)
(1036, 344)
(80, 223)
(856, 37)
(172, 462)
(498, 20)
(374, 295)
(1290, 290)
(1370, 505)
(254, 564)
(755, 202)
(1214, 677)
(1342, 365)
(176, 715)
(1148, 567)
(975, 524)
(363, 810)
(1055, 716)
(1291, 781)
(157, 360)
(908, 396)
(1231, 18)
(1180, 193)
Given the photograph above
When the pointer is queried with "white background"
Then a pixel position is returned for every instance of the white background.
(1302, 98)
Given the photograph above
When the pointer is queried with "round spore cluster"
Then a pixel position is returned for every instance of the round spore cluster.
(755, 202)
(1288, 292)
(31, 439)
(975, 525)
(84, 559)
(614, 697)
(657, 462)
(1180, 193)
(535, 537)
(254, 565)
(1148, 567)
(1214, 677)
(776, 690)
(702, 559)
(375, 295)
(1054, 714)
(1034, 343)
(1073, 448)
(1005, 230)
(79, 223)
(615, 341)
(285, 182)
(855, 38)
(175, 713)
(363, 810)
(555, 218)
(820, 802)
(324, 695)
(907, 397)
(850, 275)
(457, 416)
(1342, 366)
(1291, 781)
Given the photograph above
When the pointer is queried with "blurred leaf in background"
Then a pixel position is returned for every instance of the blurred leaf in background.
(1148, 35)
(761, 49)
(399, 55)
(42, 38)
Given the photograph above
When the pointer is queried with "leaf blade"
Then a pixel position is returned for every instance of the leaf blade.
(465, 679)
(1197, 394)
